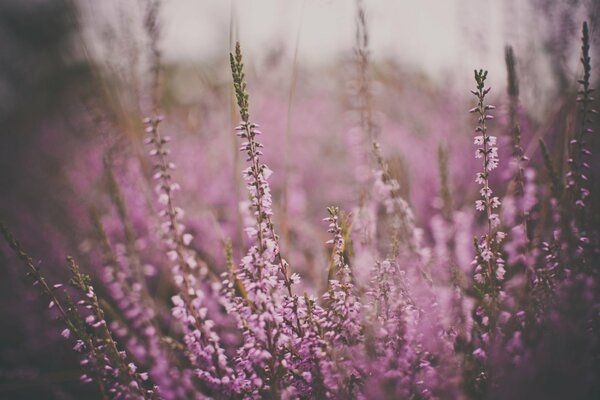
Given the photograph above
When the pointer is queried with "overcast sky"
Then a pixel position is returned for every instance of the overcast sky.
(426, 33)
(432, 36)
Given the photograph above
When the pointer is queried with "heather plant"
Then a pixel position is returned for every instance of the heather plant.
(468, 289)
(85, 323)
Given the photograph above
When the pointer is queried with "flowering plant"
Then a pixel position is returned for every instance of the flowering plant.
(394, 310)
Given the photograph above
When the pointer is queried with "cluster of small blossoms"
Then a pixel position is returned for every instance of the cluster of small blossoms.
(125, 280)
(126, 292)
(139, 330)
(102, 360)
(488, 152)
(489, 263)
(399, 361)
(343, 324)
(396, 334)
(398, 365)
(406, 246)
(268, 314)
(256, 307)
(316, 356)
(122, 379)
(266, 311)
(341, 316)
(256, 175)
(404, 230)
(204, 349)
(386, 188)
(291, 346)
(392, 309)
(391, 300)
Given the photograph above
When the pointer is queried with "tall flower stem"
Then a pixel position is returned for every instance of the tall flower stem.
(489, 270)
(257, 172)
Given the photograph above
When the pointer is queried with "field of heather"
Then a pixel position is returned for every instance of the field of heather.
(307, 199)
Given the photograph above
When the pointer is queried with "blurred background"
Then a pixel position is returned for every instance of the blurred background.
(435, 38)
(76, 81)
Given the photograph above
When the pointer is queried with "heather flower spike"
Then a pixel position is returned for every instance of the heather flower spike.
(343, 307)
(257, 173)
(204, 348)
(489, 264)
(263, 273)
(515, 129)
(405, 234)
(577, 177)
